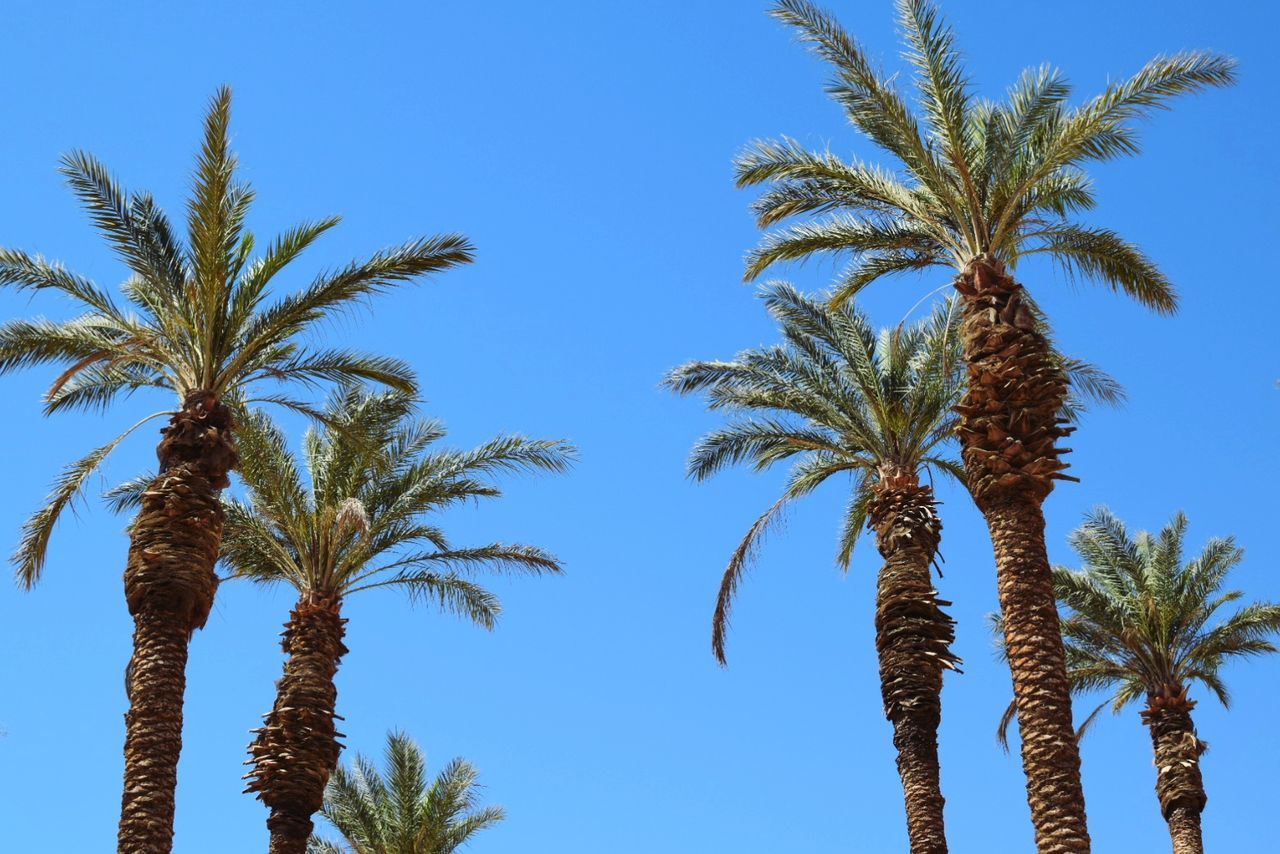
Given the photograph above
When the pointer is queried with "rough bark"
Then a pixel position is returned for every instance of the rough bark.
(913, 637)
(169, 586)
(297, 748)
(1009, 429)
(1179, 784)
(1184, 828)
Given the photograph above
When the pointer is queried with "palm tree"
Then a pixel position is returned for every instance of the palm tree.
(1137, 627)
(981, 185)
(400, 813)
(363, 524)
(197, 322)
(838, 398)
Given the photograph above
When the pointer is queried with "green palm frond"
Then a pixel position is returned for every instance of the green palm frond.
(373, 460)
(968, 176)
(400, 811)
(1105, 256)
(29, 558)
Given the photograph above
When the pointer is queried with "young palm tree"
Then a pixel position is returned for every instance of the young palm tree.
(838, 398)
(198, 322)
(400, 813)
(362, 525)
(982, 185)
(1137, 626)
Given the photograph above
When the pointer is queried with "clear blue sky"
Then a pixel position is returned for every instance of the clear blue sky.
(585, 148)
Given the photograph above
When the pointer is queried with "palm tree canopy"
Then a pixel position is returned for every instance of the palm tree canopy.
(974, 177)
(1141, 620)
(193, 316)
(835, 397)
(400, 812)
(363, 521)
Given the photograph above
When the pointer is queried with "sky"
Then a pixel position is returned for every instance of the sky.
(585, 148)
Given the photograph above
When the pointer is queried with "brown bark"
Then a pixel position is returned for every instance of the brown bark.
(297, 748)
(1179, 784)
(169, 585)
(913, 637)
(1009, 429)
(1184, 828)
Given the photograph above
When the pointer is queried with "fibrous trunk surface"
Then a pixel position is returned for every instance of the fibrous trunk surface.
(1010, 424)
(913, 638)
(1179, 784)
(169, 585)
(297, 748)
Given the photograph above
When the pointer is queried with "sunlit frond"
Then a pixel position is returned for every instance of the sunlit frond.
(400, 811)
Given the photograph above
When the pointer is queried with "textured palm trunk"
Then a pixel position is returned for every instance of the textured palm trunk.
(913, 638)
(1009, 429)
(1179, 784)
(170, 584)
(297, 748)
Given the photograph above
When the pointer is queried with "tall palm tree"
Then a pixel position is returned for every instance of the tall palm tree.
(1137, 626)
(199, 322)
(981, 185)
(400, 813)
(838, 398)
(364, 523)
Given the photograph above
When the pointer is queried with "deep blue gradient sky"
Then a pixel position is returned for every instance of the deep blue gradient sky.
(585, 148)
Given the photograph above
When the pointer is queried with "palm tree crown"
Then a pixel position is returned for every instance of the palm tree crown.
(1143, 622)
(400, 813)
(198, 318)
(362, 524)
(838, 397)
(977, 178)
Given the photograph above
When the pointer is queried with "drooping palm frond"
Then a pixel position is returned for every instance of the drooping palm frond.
(835, 397)
(361, 523)
(196, 313)
(975, 177)
(29, 558)
(1137, 614)
(400, 812)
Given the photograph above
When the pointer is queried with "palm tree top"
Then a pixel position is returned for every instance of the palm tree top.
(974, 178)
(835, 397)
(399, 812)
(1143, 621)
(363, 520)
(197, 317)
(873, 401)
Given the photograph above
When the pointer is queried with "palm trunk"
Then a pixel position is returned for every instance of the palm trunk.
(913, 638)
(170, 584)
(297, 749)
(1179, 784)
(1009, 428)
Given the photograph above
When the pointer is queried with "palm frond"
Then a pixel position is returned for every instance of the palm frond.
(29, 558)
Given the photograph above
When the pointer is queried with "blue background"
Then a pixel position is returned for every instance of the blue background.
(585, 148)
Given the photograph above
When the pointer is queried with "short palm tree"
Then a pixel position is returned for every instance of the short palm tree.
(838, 398)
(198, 322)
(1137, 626)
(364, 523)
(981, 185)
(401, 813)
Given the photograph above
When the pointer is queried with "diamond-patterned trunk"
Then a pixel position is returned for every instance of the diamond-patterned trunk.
(1179, 784)
(913, 638)
(1009, 429)
(297, 748)
(170, 584)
